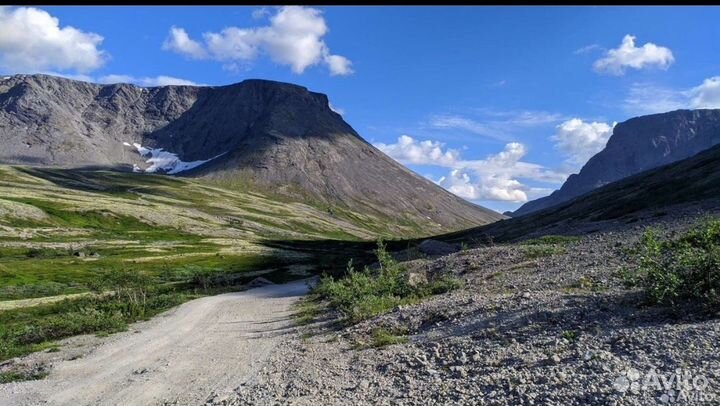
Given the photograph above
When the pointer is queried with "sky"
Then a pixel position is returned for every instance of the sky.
(496, 104)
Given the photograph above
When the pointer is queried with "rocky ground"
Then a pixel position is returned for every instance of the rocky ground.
(553, 325)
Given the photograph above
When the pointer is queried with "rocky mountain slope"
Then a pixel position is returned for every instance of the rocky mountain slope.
(272, 137)
(637, 145)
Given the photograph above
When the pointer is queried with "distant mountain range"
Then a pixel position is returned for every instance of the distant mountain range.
(261, 136)
(637, 145)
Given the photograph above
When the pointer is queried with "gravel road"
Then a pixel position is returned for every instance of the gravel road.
(196, 352)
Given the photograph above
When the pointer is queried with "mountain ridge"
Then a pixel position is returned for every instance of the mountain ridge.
(638, 144)
(277, 137)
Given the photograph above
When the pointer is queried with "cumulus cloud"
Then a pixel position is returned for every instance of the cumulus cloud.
(408, 150)
(706, 95)
(179, 41)
(580, 140)
(294, 38)
(161, 80)
(338, 65)
(33, 40)
(497, 177)
(491, 187)
(643, 98)
(627, 55)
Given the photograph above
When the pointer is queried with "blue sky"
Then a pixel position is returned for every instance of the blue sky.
(496, 104)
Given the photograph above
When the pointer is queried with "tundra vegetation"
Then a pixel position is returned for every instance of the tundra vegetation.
(682, 269)
(92, 251)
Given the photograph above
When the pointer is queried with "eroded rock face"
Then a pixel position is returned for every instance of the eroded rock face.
(637, 145)
(268, 136)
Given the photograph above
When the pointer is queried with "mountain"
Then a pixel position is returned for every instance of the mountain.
(650, 193)
(269, 137)
(637, 145)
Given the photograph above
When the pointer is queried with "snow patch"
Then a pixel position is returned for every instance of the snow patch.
(164, 161)
(6, 77)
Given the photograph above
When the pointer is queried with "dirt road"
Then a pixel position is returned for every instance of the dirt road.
(202, 349)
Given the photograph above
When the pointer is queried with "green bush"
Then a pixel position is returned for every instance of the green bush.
(685, 268)
(16, 376)
(382, 337)
(360, 295)
(25, 330)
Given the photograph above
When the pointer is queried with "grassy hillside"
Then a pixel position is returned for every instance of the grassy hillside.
(60, 230)
(85, 251)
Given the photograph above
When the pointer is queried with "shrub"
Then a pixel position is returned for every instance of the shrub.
(16, 376)
(382, 337)
(131, 288)
(570, 335)
(686, 268)
(360, 295)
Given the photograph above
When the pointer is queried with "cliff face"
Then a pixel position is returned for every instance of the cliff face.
(637, 145)
(268, 136)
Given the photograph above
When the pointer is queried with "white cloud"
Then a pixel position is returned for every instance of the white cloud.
(491, 187)
(650, 99)
(579, 140)
(147, 81)
(179, 41)
(338, 65)
(260, 13)
(32, 40)
(408, 150)
(453, 122)
(706, 95)
(627, 55)
(294, 38)
(497, 125)
(587, 49)
(497, 177)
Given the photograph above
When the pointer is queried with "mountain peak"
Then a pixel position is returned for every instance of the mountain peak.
(273, 137)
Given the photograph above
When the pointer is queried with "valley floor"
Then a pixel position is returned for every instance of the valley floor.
(200, 350)
(535, 325)
(541, 322)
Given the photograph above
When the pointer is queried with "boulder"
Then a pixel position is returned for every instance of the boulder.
(416, 278)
